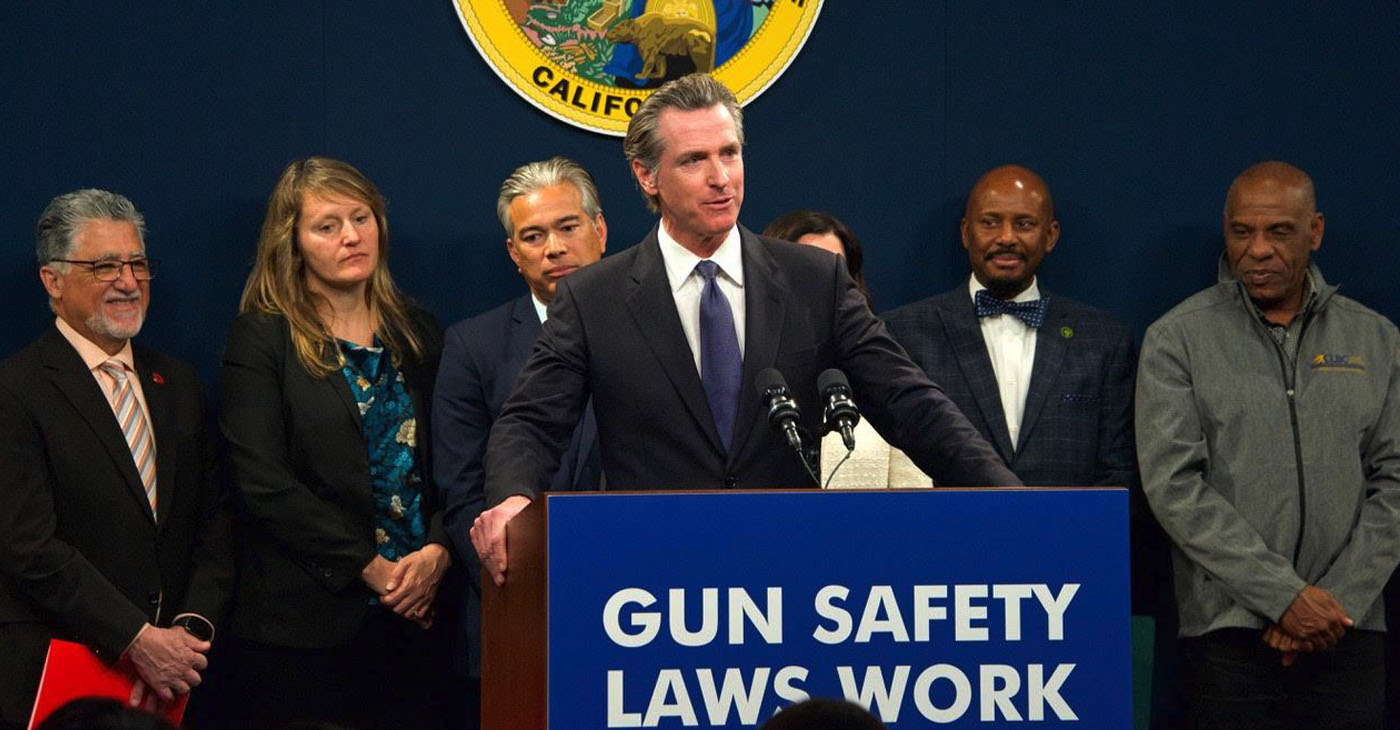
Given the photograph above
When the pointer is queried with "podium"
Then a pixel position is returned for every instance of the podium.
(933, 608)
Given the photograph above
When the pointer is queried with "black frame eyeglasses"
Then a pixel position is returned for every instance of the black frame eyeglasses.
(142, 269)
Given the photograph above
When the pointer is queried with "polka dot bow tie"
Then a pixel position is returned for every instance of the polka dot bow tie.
(1032, 313)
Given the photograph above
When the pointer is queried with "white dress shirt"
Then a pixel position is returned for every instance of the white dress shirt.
(1011, 345)
(541, 309)
(687, 284)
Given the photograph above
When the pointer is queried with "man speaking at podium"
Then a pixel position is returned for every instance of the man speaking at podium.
(669, 337)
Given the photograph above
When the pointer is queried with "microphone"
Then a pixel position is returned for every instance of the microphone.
(840, 413)
(782, 409)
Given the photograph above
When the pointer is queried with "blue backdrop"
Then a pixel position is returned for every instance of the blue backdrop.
(1137, 113)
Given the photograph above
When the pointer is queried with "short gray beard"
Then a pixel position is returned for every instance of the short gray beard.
(106, 327)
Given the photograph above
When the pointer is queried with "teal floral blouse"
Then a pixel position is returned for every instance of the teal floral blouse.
(387, 418)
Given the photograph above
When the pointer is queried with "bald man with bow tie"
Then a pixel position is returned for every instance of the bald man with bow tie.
(1048, 381)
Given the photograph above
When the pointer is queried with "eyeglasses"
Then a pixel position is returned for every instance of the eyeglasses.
(111, 270)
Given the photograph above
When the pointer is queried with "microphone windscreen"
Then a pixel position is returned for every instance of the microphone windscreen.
(832, 378)
(768, 379)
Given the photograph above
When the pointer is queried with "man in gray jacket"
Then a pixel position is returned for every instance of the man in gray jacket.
(1268, 432)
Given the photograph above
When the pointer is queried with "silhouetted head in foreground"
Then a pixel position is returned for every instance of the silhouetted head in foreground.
(824, 714)
(101, 713)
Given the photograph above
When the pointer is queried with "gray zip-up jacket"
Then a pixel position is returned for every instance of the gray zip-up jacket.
(1269, 477)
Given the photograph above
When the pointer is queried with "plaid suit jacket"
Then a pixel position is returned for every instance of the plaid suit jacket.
(1078, 423)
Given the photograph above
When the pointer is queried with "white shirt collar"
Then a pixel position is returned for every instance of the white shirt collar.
(1031, 293)
(541, 309)
(680, 262)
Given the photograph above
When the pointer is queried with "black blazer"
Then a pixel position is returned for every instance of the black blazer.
(613, 331)
(301, 467)
(1077, 427)
(81, 557)
(480, 361)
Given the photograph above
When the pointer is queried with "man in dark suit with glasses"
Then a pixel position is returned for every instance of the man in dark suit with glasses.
(114, 533)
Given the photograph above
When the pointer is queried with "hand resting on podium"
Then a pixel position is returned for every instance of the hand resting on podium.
(489, 535)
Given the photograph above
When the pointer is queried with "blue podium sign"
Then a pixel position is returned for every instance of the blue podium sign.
(959, 608)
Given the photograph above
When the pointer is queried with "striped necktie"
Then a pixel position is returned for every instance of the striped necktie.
(134, 427)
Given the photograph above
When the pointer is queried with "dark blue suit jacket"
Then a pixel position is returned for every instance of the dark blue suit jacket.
(1077, 428)
(614, 334)
(480, 361)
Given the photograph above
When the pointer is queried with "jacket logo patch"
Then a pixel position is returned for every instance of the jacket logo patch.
(1331, 362)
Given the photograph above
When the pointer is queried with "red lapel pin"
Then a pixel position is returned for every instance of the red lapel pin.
(157, 378)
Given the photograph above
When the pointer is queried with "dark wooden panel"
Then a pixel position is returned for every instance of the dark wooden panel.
(514, 629)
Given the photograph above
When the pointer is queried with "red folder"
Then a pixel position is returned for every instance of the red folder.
(72, 671)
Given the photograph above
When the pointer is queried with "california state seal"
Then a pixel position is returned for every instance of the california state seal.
(592, 62)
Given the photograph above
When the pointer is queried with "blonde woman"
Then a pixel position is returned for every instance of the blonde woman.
(326, 374)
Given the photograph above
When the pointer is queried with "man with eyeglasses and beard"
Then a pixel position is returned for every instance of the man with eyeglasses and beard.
(113, 532)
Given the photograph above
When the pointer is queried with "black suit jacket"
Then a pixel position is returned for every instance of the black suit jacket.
(613, 332)
(81, 557)
(1077, 427)
(301, 467)
(481, 358)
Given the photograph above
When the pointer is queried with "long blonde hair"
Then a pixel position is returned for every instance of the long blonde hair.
(277, 284)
